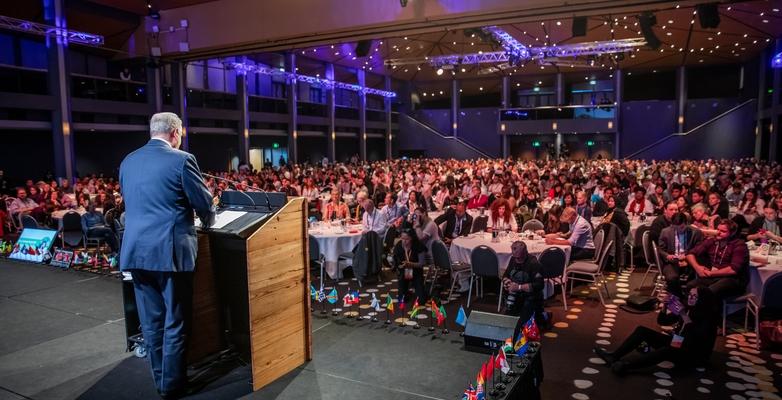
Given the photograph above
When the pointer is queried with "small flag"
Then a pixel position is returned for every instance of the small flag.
(321, 296)
(332, 297)
(480, 378)
(313, 292)
(469, 393)
(501, 361)
(416, 309)
(389, 303)
(438, 313)
(508, 347)
(461, 317)
(402, 304)
(531, 330)
(354, 297)
(375, 303)
(521, 345)
(490, 367)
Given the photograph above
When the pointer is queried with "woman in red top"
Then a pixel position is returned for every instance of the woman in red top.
(477, 200)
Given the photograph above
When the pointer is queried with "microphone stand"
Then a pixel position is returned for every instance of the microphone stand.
(235, 185)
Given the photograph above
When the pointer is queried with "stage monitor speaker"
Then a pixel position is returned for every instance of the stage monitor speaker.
(486, 332)
(363, 47)
(647, 20)
(708, 15)
(579, 26)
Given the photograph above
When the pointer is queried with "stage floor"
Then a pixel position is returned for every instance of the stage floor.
(63, 339)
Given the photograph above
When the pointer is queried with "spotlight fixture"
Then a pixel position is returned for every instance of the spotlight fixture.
(708, 15)
(647, 21)
(439, 71)
(403, 3)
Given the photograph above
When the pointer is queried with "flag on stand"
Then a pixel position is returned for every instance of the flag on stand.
(480, 378)
(375, 303)
(508, 347)
(389, 303)
(461, 317)
(443, 314)
(313, 292)
(321, 296)
(416, 309)
(531, 330)
(332, 297)
(469, 393)
(402, 304)
(490, 367)
(501, 361)
(438, 312)
(350, 298)
(521, 344)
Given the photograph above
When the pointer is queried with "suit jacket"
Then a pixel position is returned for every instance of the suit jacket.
(449, 217)
(162, 186)
(667, 241)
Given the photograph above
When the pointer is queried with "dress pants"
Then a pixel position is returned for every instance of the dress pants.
(721, 287)
(164, 301)
(580, 253)
(672, 273)
(658, 342)
(417, 282)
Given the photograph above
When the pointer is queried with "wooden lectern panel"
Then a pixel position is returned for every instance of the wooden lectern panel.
(205, 338)
(279, 294)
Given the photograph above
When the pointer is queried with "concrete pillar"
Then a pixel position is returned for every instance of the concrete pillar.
(362, 116)
(179, 89)
(773, 142)
(765, 55)
(559, 86)
(155, 87)
(506, 103)
(387, 106)
(557, 144)
(59, 86)
(293, 110)
(242, 102)
(455, 106)
(618, 88)
(331, 103)
(681, 97)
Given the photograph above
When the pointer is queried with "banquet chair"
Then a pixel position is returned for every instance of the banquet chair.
(598, 240)
(483, 264)
(637, 242)
(660, 281)
(590, 272)
(553, 262)
(532, 225)
(442, 262)
(653, 265)
(316, 258)
(28, 221)
(365, 257)
(479, 223)
(70, 231)
(770, 298)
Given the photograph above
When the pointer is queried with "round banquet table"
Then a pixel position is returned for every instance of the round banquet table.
(461, 248)
(333, 241)
(761, 268)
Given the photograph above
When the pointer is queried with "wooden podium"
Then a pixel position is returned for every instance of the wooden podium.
(252, 293)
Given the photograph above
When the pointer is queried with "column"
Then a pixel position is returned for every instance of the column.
(59, 86)
(557, 143)
(618, 88)
(559, 86)
(179, 83)
(681, 97)
(242, 102)
(155, 87)
(455, 103)
(387, 106)
(293, 110)
(362, 116)
(773, 142)
(506, 103)
(331, 103)
(764, 55)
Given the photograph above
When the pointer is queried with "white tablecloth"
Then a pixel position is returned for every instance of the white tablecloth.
(635, 223)
(461, 248)
(333, 241)
(759, 273)
(60, 213)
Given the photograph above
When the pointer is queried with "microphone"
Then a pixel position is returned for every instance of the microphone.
(234, 183)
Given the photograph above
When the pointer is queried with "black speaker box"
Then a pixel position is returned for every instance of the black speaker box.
(708, 15)
(363, 47)
(647, 20)
(486, 332)
(579, 26)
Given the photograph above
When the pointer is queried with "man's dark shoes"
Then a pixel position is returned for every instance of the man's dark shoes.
(172, 395)
(619, 368)
(606, 355)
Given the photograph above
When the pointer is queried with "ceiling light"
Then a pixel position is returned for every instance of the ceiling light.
(670, 21)
(559, 23)
(439, 71)
(480, 88)
(464, 70)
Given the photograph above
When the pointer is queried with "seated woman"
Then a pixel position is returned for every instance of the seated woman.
(767, 228)
(750, 205)
(553, 224)
(690, 345)
(501, 217)
(703, 221)
(426, 229)
(409, 260)
(523, 285)
(616, 216)
(335, 208)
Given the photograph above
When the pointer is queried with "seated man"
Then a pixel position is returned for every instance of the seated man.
(639, 204)
(373, 219)
(767, 228)
(721, 262)
(478, 199)
(457, 222)
(675, 241)
(579, 236)
(394, 212)
(94, 226)
(22, 205)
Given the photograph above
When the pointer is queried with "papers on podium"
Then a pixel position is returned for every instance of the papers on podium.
(223, 218)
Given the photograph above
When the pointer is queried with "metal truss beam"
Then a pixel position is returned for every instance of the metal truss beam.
(35, 28)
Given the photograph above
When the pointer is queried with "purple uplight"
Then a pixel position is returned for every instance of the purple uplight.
(776, 62)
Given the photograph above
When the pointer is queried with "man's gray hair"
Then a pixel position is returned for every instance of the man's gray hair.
(163, 123)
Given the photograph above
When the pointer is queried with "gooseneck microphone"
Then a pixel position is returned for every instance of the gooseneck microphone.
(235, 185)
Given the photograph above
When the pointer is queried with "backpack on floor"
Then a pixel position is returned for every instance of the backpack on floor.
(639, 304)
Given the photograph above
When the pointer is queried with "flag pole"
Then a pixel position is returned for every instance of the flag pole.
(445, 326)
(358, 307)
(431, 320)
(334, 306)
(388, 312)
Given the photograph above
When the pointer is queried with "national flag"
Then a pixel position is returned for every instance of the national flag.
(375, 303)
(389, 303)
(490, 367)
(531, 330)
(508, 347)
(333, 295)
(480, 378)
(479, 394)
(438, 313)
(313, 292)
(354, 298)
(521, 344)
(469, 393)
(321, 296)
(416, 309)
(402, 304)
(461, 317)
(501, 362)
(442, 314)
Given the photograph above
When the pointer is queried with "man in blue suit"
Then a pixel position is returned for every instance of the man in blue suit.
(162, 186)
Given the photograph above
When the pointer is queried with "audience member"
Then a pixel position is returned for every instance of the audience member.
(721, 262)
(675, 242)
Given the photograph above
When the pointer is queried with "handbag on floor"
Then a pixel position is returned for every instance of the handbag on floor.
(771, 334)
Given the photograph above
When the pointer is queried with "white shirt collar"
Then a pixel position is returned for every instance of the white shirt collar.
(162, 140)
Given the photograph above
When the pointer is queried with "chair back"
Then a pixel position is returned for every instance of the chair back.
(8, 201)
(638, 238)
(440, 256)
(772, 292)
(532, 225)
(479, 223)
(71, 221)
(656, 254)
(484, 261)
(389, 238)
(598, 240)
(28, 221)
(314, 248)
(601, 262)
(646, 242)
(553, 262)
